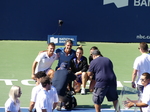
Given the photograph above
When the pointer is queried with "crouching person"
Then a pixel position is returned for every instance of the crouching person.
(60, 81)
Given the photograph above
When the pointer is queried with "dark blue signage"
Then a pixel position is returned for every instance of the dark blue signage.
(61, 39)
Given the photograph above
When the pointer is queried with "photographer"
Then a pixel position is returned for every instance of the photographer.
(60, 81)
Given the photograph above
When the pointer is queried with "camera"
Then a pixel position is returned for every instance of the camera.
(60, 22)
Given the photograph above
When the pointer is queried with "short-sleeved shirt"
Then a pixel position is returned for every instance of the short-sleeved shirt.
(61, 79)
(35, 91)
(62, 56)
(53, 95)
(102, 67)
(146, 98)
(142, 64)
(10, 105)
(43, 101)
(44, 61)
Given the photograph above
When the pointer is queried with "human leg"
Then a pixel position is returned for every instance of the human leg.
(84, 80)
(98, 97)
(92, 83)
(112, 95)
(76, 86)
(116, 105)
(97, 107)
(50, 73)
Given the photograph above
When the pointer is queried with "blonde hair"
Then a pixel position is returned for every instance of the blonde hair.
(14, 93)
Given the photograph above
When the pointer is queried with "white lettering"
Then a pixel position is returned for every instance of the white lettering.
(64, 39)
(136, 2)
(142, 37)
(8, 81)
(142, 3)
(26, 82)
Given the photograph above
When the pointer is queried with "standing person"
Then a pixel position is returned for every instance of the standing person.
(44, 61)
(92, 78)
(106, 84)
(65, 54)
(145, 100)
(37, 89)
(141, 65)
(91, 50)
(43, 102)
(62, 77)
(79, 67)
(13, 103)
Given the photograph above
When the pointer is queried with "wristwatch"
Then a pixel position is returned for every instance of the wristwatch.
(134, 104)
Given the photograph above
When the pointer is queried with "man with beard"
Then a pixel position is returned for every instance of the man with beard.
(65, 54)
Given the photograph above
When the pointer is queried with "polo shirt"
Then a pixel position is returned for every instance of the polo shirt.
(102, 67)
(44, 61)
(63, 57)
(142, 64)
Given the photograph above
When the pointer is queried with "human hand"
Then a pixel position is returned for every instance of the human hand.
(133, 84)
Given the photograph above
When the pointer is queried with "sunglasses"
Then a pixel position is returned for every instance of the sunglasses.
(142, 80)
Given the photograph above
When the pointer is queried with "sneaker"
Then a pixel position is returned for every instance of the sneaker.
(83, 92)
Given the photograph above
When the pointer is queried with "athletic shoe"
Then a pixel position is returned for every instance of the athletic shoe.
(83, 91)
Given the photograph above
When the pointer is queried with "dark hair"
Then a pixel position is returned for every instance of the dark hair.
(96, 52)
(144, 46)
(147, 75)
(40, 74)
(52, 44)
(69, 41)
(94, 47)
(45, 81)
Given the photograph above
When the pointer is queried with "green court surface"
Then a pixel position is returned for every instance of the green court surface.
(17, 58)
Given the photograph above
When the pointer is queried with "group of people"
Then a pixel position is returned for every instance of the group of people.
(141, 79)
(52, 85)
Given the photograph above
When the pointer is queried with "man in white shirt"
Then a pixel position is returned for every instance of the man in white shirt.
(43, 101)
(145, 100)
(36, 90)
(141, 65)
(44, 61)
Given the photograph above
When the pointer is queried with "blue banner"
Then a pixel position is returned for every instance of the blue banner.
(61, 39)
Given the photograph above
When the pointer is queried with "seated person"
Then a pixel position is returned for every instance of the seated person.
(144, 102)
(61, 79)
(79, 66)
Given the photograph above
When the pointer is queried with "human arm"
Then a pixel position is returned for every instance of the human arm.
(84, 65)
(33, 69)
(54, 105)
(55, 98)
(31, 106)
(140, 104)
(19, 110)
(90, 73)
(134, 74)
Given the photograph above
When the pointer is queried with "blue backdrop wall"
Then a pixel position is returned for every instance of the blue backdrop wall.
(90, 20)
